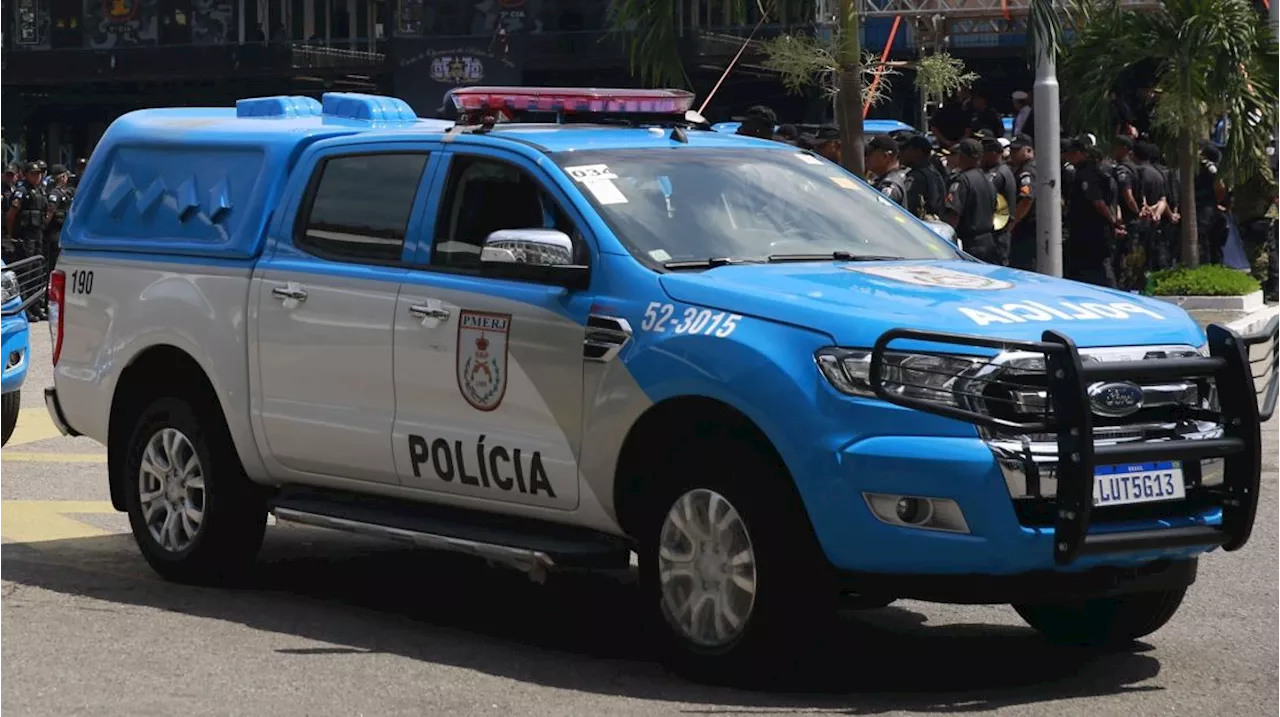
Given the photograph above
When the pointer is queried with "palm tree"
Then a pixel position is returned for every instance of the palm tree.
(1212, 58)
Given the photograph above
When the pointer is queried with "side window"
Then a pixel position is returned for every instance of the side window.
(360, 207)
(485, 195)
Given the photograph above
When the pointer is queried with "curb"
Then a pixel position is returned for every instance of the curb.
(1248, 302)
(1255, 320)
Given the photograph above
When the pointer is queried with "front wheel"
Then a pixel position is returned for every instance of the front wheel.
(1104, 622)
(194, 513)
(9, 405)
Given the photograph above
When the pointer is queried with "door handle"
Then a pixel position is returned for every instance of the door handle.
(424, 311)
(297, 293)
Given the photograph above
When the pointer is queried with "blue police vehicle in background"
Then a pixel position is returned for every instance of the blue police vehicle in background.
(22, 285)
(571, 325)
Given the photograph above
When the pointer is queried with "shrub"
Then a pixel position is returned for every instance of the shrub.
(1207, 280)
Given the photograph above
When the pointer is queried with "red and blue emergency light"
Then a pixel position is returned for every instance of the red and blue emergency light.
(570, 100)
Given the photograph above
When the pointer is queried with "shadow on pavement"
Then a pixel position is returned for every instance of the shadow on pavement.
(576, 632)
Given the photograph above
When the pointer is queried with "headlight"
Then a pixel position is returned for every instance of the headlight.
(929, 377)
(9, 281)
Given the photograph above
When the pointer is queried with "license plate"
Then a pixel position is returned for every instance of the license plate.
(1138, 483)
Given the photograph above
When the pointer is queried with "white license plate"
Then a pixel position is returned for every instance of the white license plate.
(1138, 483)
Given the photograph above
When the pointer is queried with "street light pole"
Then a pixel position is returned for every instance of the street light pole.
(1049, 166)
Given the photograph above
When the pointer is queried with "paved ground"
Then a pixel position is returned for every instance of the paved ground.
(334, 625)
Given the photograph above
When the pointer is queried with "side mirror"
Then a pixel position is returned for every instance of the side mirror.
(533, 254)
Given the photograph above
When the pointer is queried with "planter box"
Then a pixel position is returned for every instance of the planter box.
(1248, 302)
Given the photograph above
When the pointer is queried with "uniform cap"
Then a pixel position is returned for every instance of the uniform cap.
(57, 169)
(827, 132)
(32, 167)
(916, 141)
(968, 148)
(1075, 144)
(982, 135)
(1021, 141)
(991, 145)
(882, 143)
(1122, 140)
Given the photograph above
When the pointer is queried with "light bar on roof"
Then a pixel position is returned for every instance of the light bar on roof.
(571, 100)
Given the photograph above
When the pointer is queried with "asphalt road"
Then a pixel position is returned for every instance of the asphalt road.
(336, 625)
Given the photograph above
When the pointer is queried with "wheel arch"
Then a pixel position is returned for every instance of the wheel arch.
(158, 370)
(688, 419)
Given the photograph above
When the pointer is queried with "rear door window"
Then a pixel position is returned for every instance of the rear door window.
(360, 206)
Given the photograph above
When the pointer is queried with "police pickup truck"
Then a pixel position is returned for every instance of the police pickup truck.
(556, 343)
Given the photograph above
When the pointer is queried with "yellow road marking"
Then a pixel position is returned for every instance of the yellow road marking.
(34, 424)
(53, 457)
(37, 521)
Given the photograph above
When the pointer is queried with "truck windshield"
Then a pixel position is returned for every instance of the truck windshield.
(691, 204)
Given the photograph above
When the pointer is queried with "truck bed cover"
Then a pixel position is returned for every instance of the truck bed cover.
(204, 181)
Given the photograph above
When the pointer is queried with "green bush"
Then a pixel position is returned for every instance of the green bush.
(1207, 280)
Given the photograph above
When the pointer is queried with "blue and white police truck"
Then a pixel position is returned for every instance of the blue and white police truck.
(571, 325)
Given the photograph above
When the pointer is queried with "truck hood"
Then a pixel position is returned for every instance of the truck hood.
(854, 302)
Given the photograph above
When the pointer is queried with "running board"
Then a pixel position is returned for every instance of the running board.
(530, 546)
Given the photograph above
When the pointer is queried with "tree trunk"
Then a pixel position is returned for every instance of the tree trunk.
(849, 106)
(1187, 198)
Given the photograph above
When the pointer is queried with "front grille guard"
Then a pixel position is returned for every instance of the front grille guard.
(1069, 416)
(32, 283)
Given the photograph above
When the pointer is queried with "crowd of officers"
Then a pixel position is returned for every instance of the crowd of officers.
(36, 199)
(1120, 203)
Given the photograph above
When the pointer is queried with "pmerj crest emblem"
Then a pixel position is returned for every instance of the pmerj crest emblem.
(926, 275)
(457, 69)
(120, 10)
(482, 358)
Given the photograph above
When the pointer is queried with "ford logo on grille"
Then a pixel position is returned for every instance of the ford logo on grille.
(1115, 400)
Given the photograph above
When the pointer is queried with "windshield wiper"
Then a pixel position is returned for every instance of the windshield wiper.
(832, 256)
(708, 263)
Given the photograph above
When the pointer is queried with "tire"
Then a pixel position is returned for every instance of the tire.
(1104, 622)
(232, 512)
(795, 597)
(10, 403)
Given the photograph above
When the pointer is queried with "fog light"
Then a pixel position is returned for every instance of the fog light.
(914, 511)
(15, 358)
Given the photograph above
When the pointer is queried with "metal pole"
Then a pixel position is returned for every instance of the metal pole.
(1048, 168)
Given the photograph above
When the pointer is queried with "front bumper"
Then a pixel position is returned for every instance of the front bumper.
(16, 352)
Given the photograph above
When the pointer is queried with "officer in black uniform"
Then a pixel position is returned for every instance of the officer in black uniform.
(1154, 190)
(1166, 231)
(925, 185)
(887, 175)
(971, 203)
(60, 195)
(759, 121)
(1006, 186)
(1131, 254)
(1090, 218)
(1022, 230)
(28, 213)
(1211, 194)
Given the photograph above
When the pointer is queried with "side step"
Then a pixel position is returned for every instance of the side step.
(531, 546)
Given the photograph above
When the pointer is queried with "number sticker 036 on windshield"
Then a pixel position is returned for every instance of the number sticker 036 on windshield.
(661, 318)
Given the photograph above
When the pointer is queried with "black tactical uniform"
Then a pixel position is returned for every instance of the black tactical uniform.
(60, 197)
(924, 184)
(1022, 240)
(1154, 187)
(972, 198)
(893, 184)
(1088, 252)
(32, 206)
(1130, 257)
(1211, 224)
(1006, 186)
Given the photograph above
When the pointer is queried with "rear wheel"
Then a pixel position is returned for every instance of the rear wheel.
(195, 515)
(9, 405)
(735, 580)
(1111, 621)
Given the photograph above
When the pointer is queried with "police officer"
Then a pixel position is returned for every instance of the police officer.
(1211, 195)
(1022, 229)
(971, 203)
(1090, 218)
(1154, 190)
(826, 142)
(758, 122)
(1131, 250)
(27, 215)
(60, 195)
(925, 185)
(887, 175)
(1006, 186)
